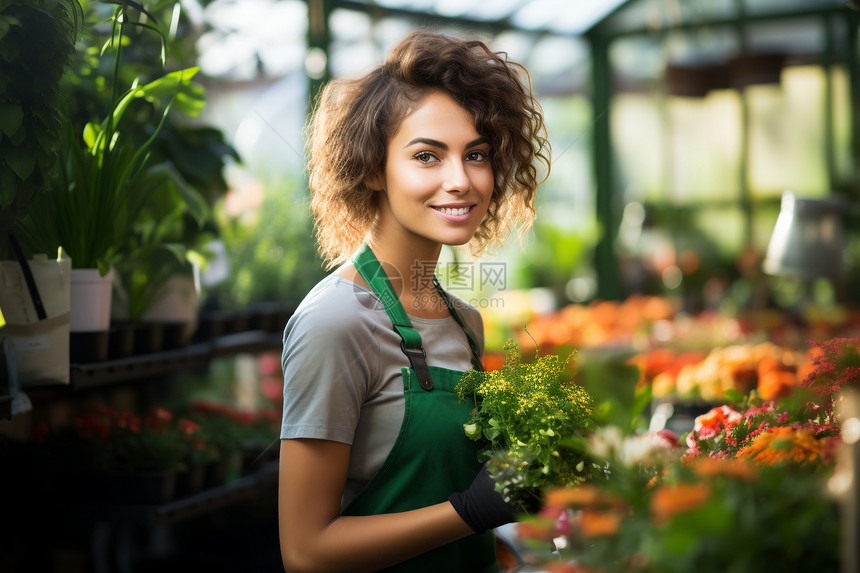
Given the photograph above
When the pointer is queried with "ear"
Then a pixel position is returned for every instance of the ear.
(375, 181)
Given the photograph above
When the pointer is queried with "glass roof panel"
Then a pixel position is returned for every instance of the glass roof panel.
(559, 16)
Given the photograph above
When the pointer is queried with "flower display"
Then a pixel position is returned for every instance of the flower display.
(767, 432)
(120, 441)
(601, 323)
(831, 364)
(769, 369)
(748, 493)
(522, 412)
(712, 515)
(229, 430)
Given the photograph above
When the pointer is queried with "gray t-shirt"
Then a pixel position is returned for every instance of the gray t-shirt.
(342, 379)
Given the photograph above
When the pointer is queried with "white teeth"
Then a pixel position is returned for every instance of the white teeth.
(449, 211)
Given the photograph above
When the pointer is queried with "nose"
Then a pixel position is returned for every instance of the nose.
(456, 178)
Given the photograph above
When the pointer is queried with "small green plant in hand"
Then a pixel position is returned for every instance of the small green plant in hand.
(523, 412)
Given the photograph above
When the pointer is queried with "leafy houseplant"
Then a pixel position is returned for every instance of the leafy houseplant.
(106, 175)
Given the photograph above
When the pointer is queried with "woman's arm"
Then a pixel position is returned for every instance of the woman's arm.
(315, 537)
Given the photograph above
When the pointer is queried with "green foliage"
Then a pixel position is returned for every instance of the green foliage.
(107, 170)
(273, 255)
(614, 385)
(105, 182)
(37, 40)
(552, 258)
(522, 412)
(777, 520)
(169, 231)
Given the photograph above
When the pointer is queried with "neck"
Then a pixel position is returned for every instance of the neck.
(410, 268)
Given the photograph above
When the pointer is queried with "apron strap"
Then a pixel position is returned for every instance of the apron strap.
(473, 342)
(410, 341)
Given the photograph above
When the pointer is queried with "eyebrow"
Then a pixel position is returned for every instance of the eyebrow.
(441, 145)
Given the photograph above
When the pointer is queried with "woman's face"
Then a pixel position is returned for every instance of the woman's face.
(437, 179)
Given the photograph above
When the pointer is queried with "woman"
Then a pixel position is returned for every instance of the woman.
(437, 146)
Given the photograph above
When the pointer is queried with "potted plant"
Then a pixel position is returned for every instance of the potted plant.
(106, 173)
(112, 455)
(156, 292)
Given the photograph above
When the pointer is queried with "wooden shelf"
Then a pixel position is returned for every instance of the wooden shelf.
(96, 375)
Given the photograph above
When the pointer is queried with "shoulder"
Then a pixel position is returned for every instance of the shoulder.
(336, 313)
(336, 302)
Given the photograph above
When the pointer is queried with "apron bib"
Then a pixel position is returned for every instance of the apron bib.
(431, 457)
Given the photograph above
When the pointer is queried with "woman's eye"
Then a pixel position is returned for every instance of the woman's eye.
(476, 156)
(424, 157)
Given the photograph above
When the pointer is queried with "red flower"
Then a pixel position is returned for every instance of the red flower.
(188, 427)
(158, 418)
(831, 364)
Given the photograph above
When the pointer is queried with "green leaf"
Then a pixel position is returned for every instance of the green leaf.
(91, 133)
(734, 396)
(8, 189)
(20, 161)
(11, 117)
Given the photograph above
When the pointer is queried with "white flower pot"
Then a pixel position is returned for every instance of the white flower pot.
(175, 301)
(90, 300)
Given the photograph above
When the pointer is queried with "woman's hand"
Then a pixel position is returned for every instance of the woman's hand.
(481, 506)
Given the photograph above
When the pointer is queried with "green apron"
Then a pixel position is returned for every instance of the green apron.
(432, 457)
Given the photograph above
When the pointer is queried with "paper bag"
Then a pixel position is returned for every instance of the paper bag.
(41, 346)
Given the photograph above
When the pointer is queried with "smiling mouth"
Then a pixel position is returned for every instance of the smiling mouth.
(457, 211)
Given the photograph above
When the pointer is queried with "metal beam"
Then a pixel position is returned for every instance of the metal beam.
(605, 258)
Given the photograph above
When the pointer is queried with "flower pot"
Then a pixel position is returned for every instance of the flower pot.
(148, 337)
(89, 346)
(121, 340)
(90, 300)
(175, 303)
(210, 326)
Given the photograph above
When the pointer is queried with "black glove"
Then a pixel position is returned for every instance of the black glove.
(481, 506)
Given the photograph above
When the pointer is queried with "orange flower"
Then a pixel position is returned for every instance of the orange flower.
(671, 500)
(807, 367)
(595, 523)
(584, 496)
(539, 528)
(493, 361)
(562, 567)
(737, 469)
(783, 443)
(775, 383)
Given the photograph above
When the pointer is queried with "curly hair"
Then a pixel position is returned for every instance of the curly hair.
(354, 119)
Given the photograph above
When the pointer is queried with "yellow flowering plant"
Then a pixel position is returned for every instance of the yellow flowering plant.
(523, 412)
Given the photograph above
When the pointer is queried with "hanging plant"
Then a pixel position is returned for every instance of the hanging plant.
(37, 40)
